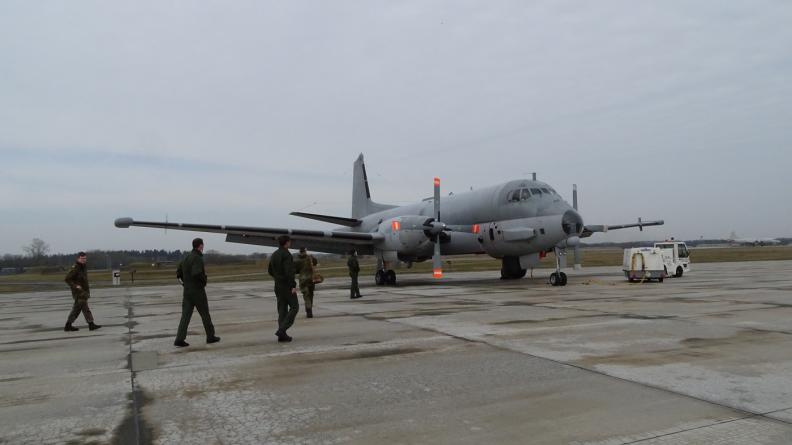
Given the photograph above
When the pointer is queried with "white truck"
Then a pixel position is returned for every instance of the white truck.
(676, 257)
(643, 264)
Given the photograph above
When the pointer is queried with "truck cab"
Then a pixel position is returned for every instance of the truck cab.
(676, 257)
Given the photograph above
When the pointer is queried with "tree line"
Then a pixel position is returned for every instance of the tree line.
(37, 255)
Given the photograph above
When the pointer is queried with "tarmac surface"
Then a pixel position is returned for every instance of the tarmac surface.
(702, 359)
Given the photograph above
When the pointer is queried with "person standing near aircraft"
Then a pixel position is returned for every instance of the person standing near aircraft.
(354, 269)
(281, 268)
(304, 267)
(192, 275)
(77, 279)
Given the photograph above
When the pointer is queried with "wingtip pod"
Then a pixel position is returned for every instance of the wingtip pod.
(123, 223)
(437, 273)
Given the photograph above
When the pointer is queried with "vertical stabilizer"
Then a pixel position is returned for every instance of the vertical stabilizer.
(362, 204)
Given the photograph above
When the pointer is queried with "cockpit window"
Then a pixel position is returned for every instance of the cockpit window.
(546, 191)
(536, 192)
(524, 194)
(513, 196)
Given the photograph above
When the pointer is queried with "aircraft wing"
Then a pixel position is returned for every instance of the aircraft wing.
(335, 241)
(589, 230)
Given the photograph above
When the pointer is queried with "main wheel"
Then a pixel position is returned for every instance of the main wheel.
(390, 277)
(379, 278)
(510, 268)
(554, 279)
(679, 272)
(563, 279)
(660, 280)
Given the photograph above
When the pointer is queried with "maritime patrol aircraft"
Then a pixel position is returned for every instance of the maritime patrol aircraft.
(518, 222)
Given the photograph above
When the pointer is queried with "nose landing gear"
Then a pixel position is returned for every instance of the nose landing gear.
(558, 278)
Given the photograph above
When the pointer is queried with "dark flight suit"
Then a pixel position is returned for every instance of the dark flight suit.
(354, 269)
(191, 272)
(281, 267)
(304, 267)
(78, 276)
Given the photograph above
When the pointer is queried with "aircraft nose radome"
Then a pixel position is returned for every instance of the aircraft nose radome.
(123, 223)
(572, 222)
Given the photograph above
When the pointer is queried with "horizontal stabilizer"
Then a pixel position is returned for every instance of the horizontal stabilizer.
(341, 221)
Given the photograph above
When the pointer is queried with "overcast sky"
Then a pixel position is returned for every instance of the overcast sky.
(239, 112)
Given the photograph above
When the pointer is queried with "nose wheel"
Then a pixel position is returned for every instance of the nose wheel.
(558, 279)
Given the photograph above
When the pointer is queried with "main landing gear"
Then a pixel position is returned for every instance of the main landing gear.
(385, 277)
(511, 269)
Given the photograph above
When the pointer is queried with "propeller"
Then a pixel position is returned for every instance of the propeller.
(436, 229)
(576, 249)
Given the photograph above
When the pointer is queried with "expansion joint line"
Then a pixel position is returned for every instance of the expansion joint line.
(132, 377)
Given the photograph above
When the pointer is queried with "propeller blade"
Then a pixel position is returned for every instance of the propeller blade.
(437, 199)
(437, 261)
(574, 197)
(576, 252)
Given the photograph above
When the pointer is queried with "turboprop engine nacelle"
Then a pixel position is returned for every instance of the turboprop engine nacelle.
(514, 237)
(406, 235)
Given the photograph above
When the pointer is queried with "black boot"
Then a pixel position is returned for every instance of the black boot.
(180, 344)
(70, 328)
(93, 326)
(282, 337)
(212, 339)
(309, 313)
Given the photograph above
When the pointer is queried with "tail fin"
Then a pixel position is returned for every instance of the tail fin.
(362, 204)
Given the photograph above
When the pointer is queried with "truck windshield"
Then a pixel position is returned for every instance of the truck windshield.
(683, 252)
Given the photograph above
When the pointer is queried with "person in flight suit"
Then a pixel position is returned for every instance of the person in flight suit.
(354, 269)
(281, 268)
(192, 275)
(77, 279)
(304, 267)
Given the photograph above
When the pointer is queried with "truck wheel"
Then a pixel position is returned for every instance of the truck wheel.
(679, 272)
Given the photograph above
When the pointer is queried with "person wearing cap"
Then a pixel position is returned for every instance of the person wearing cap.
(192, 275)
(354, 269)
(281, 268)
(77, 279)
(304, 267)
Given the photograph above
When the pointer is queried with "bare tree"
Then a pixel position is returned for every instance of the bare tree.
(37, 249)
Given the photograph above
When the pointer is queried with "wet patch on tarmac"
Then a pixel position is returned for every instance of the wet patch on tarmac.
(134, 430)
(647, 317)
(359, 355)
(12, 379)
(547, 320)
(90, 432)
(39, 340)
(691, 350)
(28, 399)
